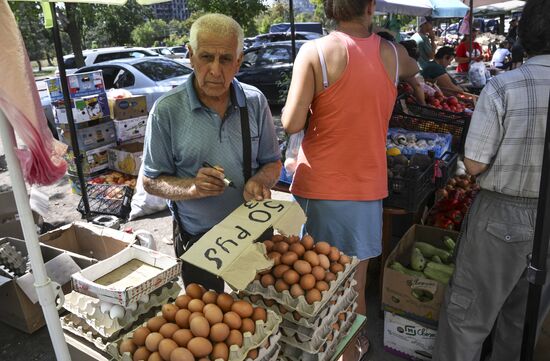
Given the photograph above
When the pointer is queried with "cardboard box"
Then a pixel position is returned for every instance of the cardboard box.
(125, 277)
(397, 287)
(408, 339)
(126, 108)
(95, 160)
(126, 158)
(85, 109)
(129, 129)
(80, 85)
(10, 225)
(90, 137)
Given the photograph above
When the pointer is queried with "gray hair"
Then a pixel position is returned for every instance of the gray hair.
(216, 24)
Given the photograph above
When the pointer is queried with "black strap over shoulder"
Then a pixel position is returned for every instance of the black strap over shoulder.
(245, 130)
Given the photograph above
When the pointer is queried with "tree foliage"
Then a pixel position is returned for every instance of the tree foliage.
(243, 11)
(146, 34)
(277, 13)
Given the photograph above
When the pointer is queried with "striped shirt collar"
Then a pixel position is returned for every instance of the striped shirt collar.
(543, 60)
(194, 101)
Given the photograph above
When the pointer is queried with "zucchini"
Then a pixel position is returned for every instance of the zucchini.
(418, 262)
(438, 276)
(436, 259)
(447, 269)
(396, 266)
(449, 243)
(429, 251)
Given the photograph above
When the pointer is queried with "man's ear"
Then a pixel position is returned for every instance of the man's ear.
(190, 50)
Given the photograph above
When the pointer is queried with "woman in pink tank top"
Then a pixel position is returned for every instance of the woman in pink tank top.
(348, 80)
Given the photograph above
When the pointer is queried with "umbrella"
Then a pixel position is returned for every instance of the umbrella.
(448, 8)
(500, 8)
(406, 7)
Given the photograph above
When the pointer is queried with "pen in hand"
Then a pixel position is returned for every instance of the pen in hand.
(226, 181)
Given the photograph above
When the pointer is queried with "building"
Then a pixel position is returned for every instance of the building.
(174, 9)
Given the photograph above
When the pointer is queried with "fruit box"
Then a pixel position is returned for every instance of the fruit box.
(126, 158)
(89, 137)
(408, 339)
(95, 160)
(397, 288)
(126, 108)
(80, 85)
(130, 129)
(85, 109)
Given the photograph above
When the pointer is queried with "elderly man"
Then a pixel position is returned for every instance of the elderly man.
(206, 133)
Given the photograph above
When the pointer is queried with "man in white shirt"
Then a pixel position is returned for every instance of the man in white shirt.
(502, 56)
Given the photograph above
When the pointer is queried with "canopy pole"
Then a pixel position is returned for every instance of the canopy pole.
(292, 29)
(46, 289)
(471, 19)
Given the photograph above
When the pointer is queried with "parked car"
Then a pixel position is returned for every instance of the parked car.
(164, 51)
(275, 37)
(265, 66)
(94, 56)
(181, 51)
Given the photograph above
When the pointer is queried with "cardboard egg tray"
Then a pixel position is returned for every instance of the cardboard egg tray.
(269, 350)
(88, 309)
(12, 260)
(250, 341)
(299, 304)
(77, 326)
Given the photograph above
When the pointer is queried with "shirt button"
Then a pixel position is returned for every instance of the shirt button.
(508, 237)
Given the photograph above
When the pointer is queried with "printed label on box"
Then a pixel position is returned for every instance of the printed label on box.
(407, 338)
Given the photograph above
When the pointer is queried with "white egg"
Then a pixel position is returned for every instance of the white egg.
(105, 307)
(144, 299)
(132, 306)
(117, 311)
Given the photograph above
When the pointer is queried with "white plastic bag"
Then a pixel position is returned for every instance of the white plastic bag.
(291, 155)
(477, 74)
(143, 203)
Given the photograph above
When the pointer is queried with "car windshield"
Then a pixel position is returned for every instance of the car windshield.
(179, 49)
(162, 69)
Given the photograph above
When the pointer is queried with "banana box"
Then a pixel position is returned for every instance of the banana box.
(126, 158)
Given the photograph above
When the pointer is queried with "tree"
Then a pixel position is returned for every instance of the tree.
(243, 11)
(150, 32)
(277, 13)
(72, 28)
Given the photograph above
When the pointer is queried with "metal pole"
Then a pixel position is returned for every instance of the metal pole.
(471, 19)
(292, 28)
(45, 289)
(67, 100)
(536, 269)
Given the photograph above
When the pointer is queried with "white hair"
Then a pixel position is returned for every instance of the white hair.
(218, 24)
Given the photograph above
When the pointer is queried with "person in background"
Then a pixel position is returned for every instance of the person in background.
(518, 54)
(504, 149)
(436, 70)
(425, 39)
(348, 79)
(200, 121)
(512, 31)
(412, 48)
(502, 56)
(462, 55)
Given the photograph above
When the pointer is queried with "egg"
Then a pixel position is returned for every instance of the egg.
(169, 312)
(224, 301)
(144, 299)
(117, 312)
(318, 272)
(277, 238)
(322, 286)
(276, 257)
(279, 270)
(141, 354)
(296, 291)
(181, 354)
(220, 351)
(267, 280)
(127, 346)
(182, 337)
(209, 297)
(219, 332)
(235, 338)
(194, 290)
(199, 346)
(289, 258)
(182, 318)
(195, 305)
(248, 326)
(105, 307)
(322, 248)
(296, 316)
(334, 254)
(140, 335)
(312, 258)
(281, 247)
(335, 326)
(155, 356)
(200, 326)
(154, 324)
(308, 242)
(324, 261)
(302, 267)
(281, 286)
(233, 320)
(313, 295)
(268, 245)
(329, 277)
(182, 301)
(242, 308)
(336, 267)
(166, 347)
(297, 248)
(282, 310)
(252, 354)
(168, 329)
(344, 259)
(132, 306)
(307, 282)
(342, 316)
(291, 277)
(152, 341)
(213, 313)
(259, 314)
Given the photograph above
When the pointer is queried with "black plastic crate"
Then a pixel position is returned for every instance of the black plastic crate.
(108, 199)
(410, 191)
(447, 166)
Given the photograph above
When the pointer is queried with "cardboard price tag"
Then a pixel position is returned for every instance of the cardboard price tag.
(228, 249)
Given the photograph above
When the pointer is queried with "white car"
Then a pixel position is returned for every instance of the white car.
(94, 56)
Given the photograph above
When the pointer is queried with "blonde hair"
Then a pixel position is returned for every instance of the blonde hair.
(218, 24)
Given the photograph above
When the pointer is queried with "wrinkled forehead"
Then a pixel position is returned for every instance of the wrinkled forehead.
(219, 43)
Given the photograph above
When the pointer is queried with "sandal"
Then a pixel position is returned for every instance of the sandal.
(362, 344)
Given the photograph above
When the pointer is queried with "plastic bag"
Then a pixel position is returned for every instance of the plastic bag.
(291, 155)
(477, 74)
(143, 203)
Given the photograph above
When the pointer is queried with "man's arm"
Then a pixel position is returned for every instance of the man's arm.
(418, 91)
(475, 168)
(445, 82)
(258, 186)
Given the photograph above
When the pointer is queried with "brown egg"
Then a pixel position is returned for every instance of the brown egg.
(213, 313)
(140, 335)
(324, 261)
(296, 316)
(225, 301)
(152, 341)
(329, 277)
(166, 347)
(259, 314)
(155, 356)
(209, 297)
(296, 291)
(277, 238)
(281, 286)
(335, 326)
(267, 280)
(344, 259)
(281, 247)
(141, 354)
(307, 282)
(307, 242)
(293, 239)
(252, 354)
(242, 308)
(194, 290)
(313, 295)
(282, 310)
(342, 316)
(312, 258)
(248, 326)
(291, 277)
(279, 270)
(200, 327)
(127, 346)
(268, 245)
(182, 337)
(168, 329)
(199, 346)
(302, 267)
(322, 286)
(182, 301)
(322, 248)
(235, 338)
(336, 267)
(289, 258)
(297, 248)
(334, 254)
(181, 354)
(169, 312)
(220, 350)
(275, 256)
(182, 318)
(195, 305)
(219, 332)
(233, 320)
(154, 324)
(318, 272)
(195, 314)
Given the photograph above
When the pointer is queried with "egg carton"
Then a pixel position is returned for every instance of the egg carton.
(250, 341)
(77, 326)
(88, 308)
(12, 260)
(269, 350)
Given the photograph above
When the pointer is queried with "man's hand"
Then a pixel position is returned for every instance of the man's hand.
(209, 182)
(254, 190)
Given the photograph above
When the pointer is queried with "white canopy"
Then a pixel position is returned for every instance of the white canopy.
(500, 8)
(407, 7)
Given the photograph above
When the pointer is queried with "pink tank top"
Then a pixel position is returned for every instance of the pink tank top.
(343, 154)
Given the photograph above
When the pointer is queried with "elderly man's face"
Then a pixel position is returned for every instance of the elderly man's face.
(215, 62)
